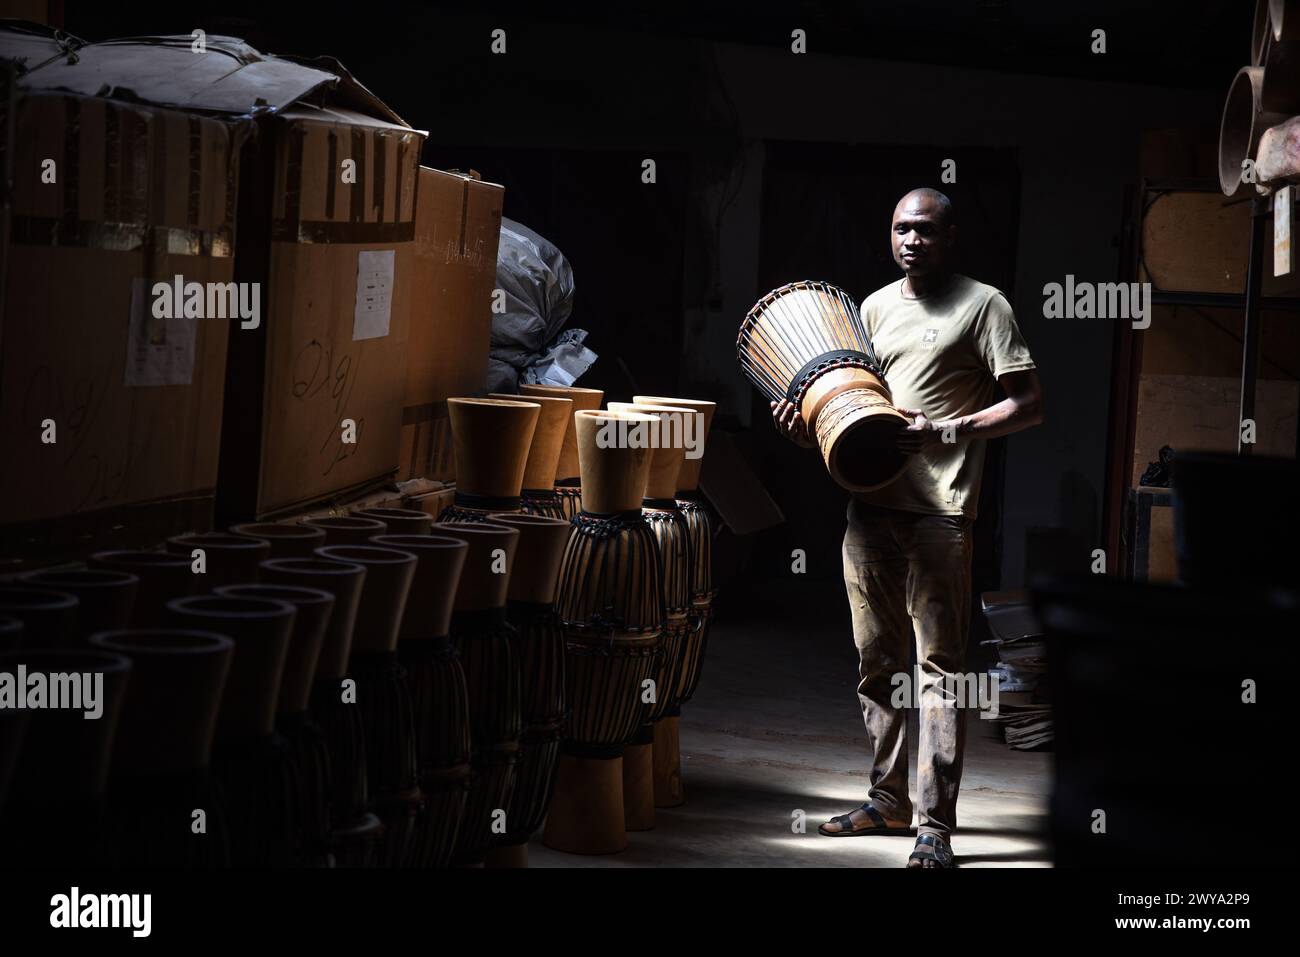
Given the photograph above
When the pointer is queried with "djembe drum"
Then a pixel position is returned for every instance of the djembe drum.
(49, 616)
(287, 539)
(399, 521)
(163, 576)
(482, 638)
(105, 597)
(805, 343)
(439, 697)
(162, 757)
(347, 529)
(611, 605)
(293, 720)
(491, 438)
(673, 533)
(538, 642)
(356, 833)
(538, 497)
(383, 694)
(567, 484)
(669, 791)
(253, 765)
(55, 813)
(228, 558)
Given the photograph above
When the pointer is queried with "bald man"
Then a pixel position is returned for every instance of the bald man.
(945, 343)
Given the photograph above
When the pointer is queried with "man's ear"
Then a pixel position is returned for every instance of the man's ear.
(952, 235)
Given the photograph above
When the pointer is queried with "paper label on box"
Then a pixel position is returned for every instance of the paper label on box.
(374, 294)
(1283, 248)
(158, 351)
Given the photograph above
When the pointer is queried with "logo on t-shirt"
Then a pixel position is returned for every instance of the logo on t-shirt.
(931, 336)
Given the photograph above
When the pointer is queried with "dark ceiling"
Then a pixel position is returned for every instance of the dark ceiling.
(1195, 43)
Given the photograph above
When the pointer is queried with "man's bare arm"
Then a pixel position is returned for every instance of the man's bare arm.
(1021, 409)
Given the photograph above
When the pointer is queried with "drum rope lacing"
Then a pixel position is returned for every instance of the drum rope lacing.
(822, 336)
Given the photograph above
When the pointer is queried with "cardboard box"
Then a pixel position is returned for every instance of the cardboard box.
(110, 198)
(314, 400)
(457, 230)
(314, 397)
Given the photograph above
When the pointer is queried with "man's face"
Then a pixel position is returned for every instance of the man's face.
(920, 239)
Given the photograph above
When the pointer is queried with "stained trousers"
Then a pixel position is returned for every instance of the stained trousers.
(908, 575)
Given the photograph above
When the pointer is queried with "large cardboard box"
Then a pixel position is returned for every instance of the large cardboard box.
(326, 204)
(457, 230)
(111, 415)
(314, 397)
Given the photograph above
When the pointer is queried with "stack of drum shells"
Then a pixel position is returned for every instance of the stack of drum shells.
(378, 688)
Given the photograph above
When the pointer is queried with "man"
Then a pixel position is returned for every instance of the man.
(944, 341)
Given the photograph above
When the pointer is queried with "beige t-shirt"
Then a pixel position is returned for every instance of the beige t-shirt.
(942, 354)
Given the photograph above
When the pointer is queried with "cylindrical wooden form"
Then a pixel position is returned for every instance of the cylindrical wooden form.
(383, 693)
(439, 697)
(313, 607)
(491, 438)
(544, 450)
(400, 521)
(304, 738)
(482, 637)
(538, 642)
(566, 467)
(343, 580)
(389, 573)
(261, 630)
(105, 596)
(689, 478)
(163, 750)
(163, 576)
(805, 343)
(347, 529)
(354, 833)
(287, 539)
(49, 617)
(229, 559)
(614, 469)
(55, 812)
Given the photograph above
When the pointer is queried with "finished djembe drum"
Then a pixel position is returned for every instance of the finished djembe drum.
(611, 607)
(253, 765)
(673, 533)
(538, 642)
(805, 343)
(669, 790)
(538, 496)
(568, 482)
(481, 636)
(355, 832)
(293, 720)
(162, 757)
(55, 812)
(104, 597)
(383, 694)
(439, 697)
(491, 438)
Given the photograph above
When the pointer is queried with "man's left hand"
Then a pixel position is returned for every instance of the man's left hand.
(921, 434)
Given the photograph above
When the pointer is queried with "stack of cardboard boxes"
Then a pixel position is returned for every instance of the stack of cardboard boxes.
(143, 393)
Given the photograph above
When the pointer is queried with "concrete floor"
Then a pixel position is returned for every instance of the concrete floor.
(775, 728)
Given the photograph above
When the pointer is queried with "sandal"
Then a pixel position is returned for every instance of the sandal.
(931, 852)
(878, 825)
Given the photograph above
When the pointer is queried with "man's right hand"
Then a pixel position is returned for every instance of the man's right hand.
(790, 423)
